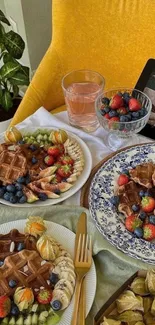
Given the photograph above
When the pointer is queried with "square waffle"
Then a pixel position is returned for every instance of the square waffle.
(9, 243)
(28, 269)
(142, 174)
(39, 154)
(12, 166)
(128, 195)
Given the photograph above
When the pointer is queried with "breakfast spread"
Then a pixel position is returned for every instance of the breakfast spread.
(38, 166)
(135, 199)
(136, 305)
(37, 276)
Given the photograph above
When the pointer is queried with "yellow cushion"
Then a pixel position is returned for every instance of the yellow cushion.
(59, 109)
(113, 37)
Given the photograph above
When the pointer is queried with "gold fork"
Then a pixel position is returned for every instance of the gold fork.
(83, 261)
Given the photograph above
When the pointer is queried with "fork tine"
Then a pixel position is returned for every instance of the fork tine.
(90, 248)
(82, 248)
(78, 249)
(86, 250)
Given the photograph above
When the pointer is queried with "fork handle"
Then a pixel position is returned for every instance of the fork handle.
(76, 302)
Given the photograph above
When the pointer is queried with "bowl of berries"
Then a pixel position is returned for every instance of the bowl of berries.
(123, 112)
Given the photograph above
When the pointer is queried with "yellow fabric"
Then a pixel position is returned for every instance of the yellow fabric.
(113, 37)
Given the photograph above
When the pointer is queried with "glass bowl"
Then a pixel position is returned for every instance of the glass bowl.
(117, 130)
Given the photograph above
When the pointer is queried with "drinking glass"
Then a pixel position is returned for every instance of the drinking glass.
(81, 88)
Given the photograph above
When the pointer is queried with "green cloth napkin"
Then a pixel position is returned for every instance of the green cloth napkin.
(113, 267)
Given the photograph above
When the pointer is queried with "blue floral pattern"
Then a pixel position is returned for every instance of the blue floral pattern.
(108, 221)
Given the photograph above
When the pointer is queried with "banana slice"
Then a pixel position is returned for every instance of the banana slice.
(63, 297)
(63, 260)
(60, 270)
(65, 285)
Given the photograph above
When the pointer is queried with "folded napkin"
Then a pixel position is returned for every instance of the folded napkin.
(96, 141)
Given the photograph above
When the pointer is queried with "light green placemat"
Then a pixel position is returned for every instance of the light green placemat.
(112, 266)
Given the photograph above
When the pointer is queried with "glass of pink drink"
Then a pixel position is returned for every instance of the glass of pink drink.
(81, 88)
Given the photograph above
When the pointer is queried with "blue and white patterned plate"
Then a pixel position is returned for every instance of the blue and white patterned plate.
(107, 220)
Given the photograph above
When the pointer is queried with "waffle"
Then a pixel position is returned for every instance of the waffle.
(12, 166)
(9, 243)
(27, 268)
(142, 174)
(39, 154)
(128, 195)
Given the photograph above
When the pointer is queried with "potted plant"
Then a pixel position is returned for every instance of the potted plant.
(12, 73)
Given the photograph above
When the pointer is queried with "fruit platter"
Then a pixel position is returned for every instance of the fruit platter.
(37, 275)
(41, 166)
(122, 201)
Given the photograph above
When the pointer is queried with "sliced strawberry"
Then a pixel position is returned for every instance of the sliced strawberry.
(149, 232)
(148, 204)
(107, 116)
(122, 110)
(57, 178)
(53, 151)
(116, 102)
(66, 160)
(5, 306)
(49, 160)
(134, 105)
(65, 171)
(132, 222)
(122, 179)
(44, 296)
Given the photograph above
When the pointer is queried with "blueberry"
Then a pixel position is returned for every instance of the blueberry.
(12, 283)
(33, 147)
(142, 112)
(21, 141)
(152, 219)
(142, 215)
(123, 118)
(125, 171)
(113, 113)
(42, 196)
(1, 263)
(114, 200)
(27, 179)
(14, 310)
(18, 186)
(141, 193)
(105, 101)
(7, 196)
(20, 247)
(11, 188)
(54, 278)
(23, 199)
(34, 160)
(57, 192)
(2, 191)
(56, 305)
(135, 207)
(107, 109)
(119, 93)
(102, 112)
(13, 199)
(135, 115)
(21, 180)
(126, 96)
(138, 232)
(147, 193)
(19, 194)
(64, 179)
(128, 116)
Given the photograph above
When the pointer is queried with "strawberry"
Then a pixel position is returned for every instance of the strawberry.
(44, 296)
(57, 179)
(49, 160)
(53, 151)
(134, 105)
(148, 204)
(132, 222)
(65, 171)
(122, 179)
(122, 111)
(61, 148)
(66, 160)
(5, 306)
(116, 102)
(107, 116)
(149, 231)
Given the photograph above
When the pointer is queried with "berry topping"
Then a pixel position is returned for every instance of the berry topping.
(32, 147)
(23, 199)
(116, 102)
(42, 196)
(105, 101)
(34, 160)
(21, 180)
(13, 199)
(12, 283)
(49, 160)
(44, 296)
(54, 278)
(132, 222)
(152, 219)
(2, 191)
(148, 204)
(114, 200)
(149, 232)
(142, 215)
(14, 310)
(56, 305)
(1, 263)
(138, 232)
(19, 194)
(5, 306)
(18, 186)
(107, 109)
(141, 193)
(11, 188)
(53, 151)
(134, 105)
(123, 179)
(135, 207)
(20, 247)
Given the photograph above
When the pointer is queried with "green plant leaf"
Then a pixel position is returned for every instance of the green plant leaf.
(14, 44)
(2, 31)
(7, 57)
(15, 91)
(25, 70)
(1, 94)
(19, 79)
(9, 69)
(3, 18)
(6, 100)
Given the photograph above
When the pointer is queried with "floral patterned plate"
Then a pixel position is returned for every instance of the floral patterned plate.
(107, 220)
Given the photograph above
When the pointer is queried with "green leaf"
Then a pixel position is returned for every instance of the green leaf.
(7, 57)
(3, 18)
(25, 70)
(19, 79)
(14, 44)
(1, 94)
(9, 69)
(2, 31)
(15, 91)
(6, 100)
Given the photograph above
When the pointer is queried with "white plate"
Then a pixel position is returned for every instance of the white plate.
(67, 238)
(76, 186)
